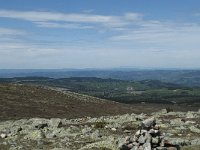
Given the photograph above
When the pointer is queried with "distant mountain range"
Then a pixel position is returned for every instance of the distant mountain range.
(183, 77)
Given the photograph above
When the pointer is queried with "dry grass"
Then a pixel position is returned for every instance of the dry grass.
(25, 101)
(22, 101)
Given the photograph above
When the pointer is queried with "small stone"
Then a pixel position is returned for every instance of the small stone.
(155, 140)
(177, 121)
(113, 129)
(164, 111)
(180, 134)
(195, 142)
(55, 122)
(142, 139)
(95, 135)
(3, 135)
(147, 146)
(86, 130)
(190, 122)
(34, 135)
(106, 127)
(15, 130)
(127, 131)
(190, 115)
(194, 129)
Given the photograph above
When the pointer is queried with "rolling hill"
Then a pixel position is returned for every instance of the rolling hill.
(19, 101)
(183, 77)
(24, 101)
(130, 92)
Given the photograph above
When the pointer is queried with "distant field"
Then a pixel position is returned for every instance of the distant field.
(130, 92)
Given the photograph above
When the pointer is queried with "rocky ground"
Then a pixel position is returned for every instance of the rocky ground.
(102, 133)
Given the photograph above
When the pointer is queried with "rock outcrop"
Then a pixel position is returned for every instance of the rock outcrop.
(103, 133)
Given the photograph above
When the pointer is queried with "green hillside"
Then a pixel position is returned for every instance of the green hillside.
(147, 91)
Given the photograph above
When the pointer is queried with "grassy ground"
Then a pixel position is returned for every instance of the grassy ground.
(24, 101)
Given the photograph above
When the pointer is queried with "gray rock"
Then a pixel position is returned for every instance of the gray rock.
(55, 122)
(147, 146)
(34, 135)
(190, 122)
(15, 130)
(39, 133)
(142, 139)
(3, 135)
(155, 140)
(177, 121)
(73, 129)
(190, 115)
(66, 139)
(194, 129)
(86, 130)
(178, 141)
(195, 141)
(95, 135)
(59, 133)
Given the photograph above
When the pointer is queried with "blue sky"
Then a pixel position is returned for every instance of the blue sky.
(99, 34)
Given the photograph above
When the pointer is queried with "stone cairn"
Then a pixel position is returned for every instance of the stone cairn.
(148, 137)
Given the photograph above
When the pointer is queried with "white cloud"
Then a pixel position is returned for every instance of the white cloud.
(63, 25)
(41, 16)
(133, 16)
(8, 31)
(165, 34)
(136, 41)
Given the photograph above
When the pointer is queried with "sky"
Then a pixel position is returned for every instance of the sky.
(56, 34)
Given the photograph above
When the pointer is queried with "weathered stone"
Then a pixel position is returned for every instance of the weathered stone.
(195, 141)
(163, 126)
(178, 141)
(86, 130)
(194, 129)
(113, 129)
(55, 122)
(3, 135)
(73, 129)
(155, 140)
(177, 121)
(127, 131)
(147, 146)
(190, 114)
(190, 122)
(142, 139)
(13, 131)
(79, 134)
(35, 135)
(95, 135)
